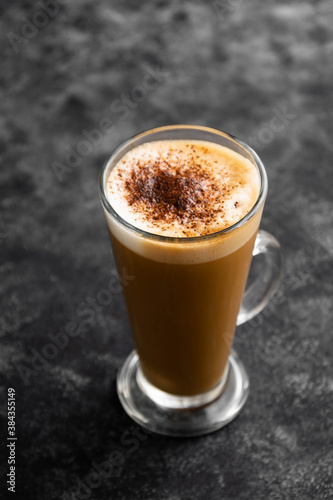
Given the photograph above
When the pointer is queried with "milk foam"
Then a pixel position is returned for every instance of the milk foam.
(224, 167)
(230, 187)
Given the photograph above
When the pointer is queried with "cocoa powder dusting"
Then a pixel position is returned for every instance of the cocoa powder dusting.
(170, 192)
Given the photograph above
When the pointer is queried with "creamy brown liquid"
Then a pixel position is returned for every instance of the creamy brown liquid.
(184, 299)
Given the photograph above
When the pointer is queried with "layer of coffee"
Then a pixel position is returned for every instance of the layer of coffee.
(181, 188)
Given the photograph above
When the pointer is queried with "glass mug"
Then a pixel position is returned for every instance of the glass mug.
(184, 303)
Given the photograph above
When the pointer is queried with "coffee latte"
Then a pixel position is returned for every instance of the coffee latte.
(175, 200)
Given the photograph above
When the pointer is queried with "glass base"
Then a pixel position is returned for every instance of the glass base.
(177, 416)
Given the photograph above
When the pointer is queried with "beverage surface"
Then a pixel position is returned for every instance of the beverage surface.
(182, 188)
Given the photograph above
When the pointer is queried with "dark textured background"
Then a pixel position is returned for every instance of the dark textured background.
(232, 65)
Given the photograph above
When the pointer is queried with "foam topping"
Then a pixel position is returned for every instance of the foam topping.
(182, 188)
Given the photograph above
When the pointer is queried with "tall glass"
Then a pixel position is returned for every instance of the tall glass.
(184, 303)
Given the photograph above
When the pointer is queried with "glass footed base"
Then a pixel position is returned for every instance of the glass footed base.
(182, 422)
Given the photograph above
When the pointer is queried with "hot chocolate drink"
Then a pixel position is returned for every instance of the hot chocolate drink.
(175, 200)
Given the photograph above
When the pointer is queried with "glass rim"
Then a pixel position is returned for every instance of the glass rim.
(184, 239)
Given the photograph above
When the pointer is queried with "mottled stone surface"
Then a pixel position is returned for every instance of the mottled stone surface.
(233, 65)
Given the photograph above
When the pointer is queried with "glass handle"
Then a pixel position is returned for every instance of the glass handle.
(267, 276)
